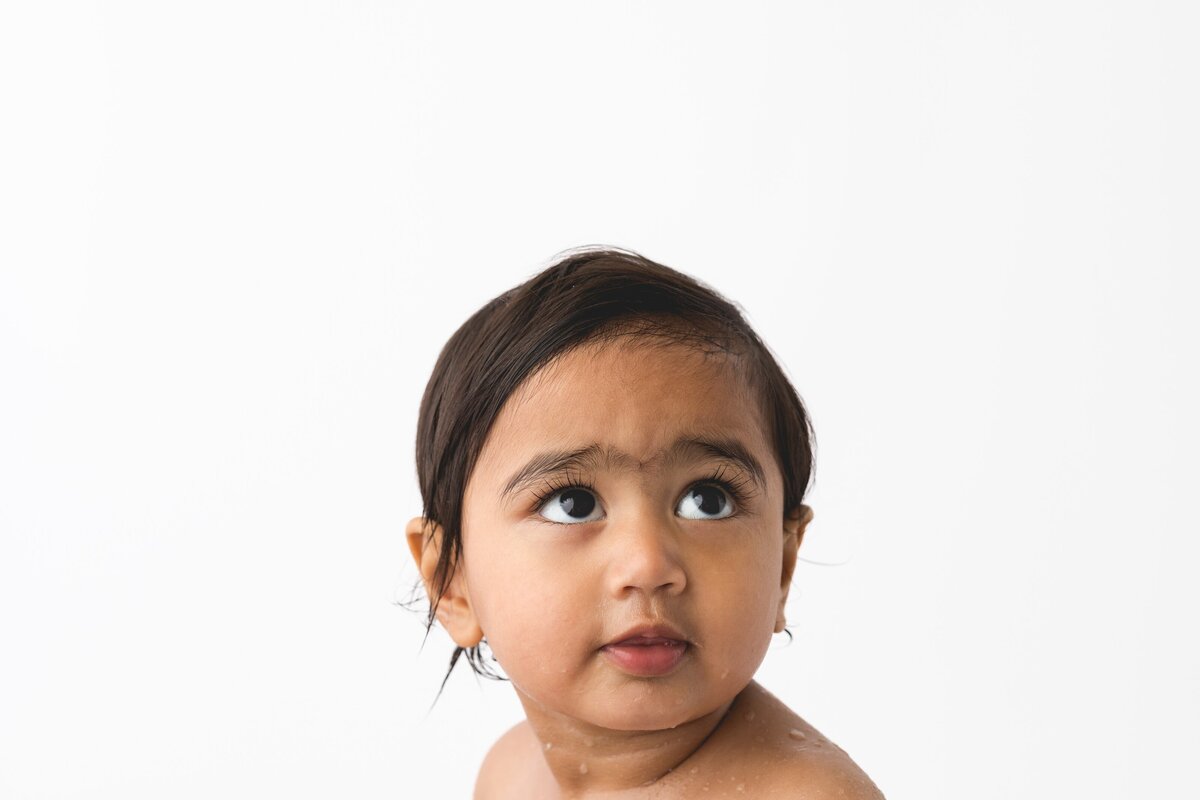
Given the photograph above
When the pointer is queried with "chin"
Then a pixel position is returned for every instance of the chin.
(648, 714)
(643, 722)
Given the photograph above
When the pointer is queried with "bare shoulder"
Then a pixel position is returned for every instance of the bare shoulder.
(506, 767)
(794, 759)
(828, 775)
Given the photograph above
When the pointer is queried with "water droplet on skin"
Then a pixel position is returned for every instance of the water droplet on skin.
(695, 770)
(549, 745)
(741, 787)
(583, 769)
(797, 734)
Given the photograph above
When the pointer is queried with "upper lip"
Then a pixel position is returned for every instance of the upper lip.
(650, 631)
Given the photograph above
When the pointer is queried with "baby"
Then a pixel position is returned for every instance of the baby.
(612, 466)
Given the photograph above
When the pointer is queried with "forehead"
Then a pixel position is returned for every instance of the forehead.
(632, 397)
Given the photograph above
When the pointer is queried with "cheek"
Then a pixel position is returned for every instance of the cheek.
(533, 618)
(740, 608)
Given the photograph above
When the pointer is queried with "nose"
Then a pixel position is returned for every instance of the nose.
(645, 557)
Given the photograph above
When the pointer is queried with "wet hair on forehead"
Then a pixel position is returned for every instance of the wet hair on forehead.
(587, 298)
(664, 335)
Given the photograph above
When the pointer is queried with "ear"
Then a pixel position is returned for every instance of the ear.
(794, 524)
(454, 610)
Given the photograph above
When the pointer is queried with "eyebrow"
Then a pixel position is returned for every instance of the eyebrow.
(595, 454)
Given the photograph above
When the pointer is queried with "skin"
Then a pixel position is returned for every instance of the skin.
(549, 592)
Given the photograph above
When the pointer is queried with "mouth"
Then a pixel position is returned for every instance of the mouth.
(649, 634)
(648, 651)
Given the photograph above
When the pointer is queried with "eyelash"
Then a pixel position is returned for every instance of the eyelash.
(737, 488)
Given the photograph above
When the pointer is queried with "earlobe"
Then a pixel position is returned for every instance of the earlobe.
(454, 608)
(794, 524)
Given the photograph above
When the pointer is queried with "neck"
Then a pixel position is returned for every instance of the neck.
(586, 759)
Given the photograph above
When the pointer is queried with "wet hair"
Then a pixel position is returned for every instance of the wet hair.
(588, 296)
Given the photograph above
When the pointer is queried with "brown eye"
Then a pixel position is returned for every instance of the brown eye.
(706, 499)
(569, 506)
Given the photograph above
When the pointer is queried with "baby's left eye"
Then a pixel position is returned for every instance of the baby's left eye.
(706, 498)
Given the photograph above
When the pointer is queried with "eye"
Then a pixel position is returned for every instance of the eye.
(706, 498)
(570, 506)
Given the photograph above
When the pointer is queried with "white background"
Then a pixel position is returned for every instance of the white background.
(235, 235)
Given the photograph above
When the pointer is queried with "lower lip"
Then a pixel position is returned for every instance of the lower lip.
(646, 659)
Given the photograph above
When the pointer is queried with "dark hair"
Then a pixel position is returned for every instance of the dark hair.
(589, 295)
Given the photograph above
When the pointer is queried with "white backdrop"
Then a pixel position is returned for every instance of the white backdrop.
(235, 235)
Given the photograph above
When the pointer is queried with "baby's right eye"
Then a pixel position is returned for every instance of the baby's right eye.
(573, 504)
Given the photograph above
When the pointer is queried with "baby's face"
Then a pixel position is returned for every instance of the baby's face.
(655, 539)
